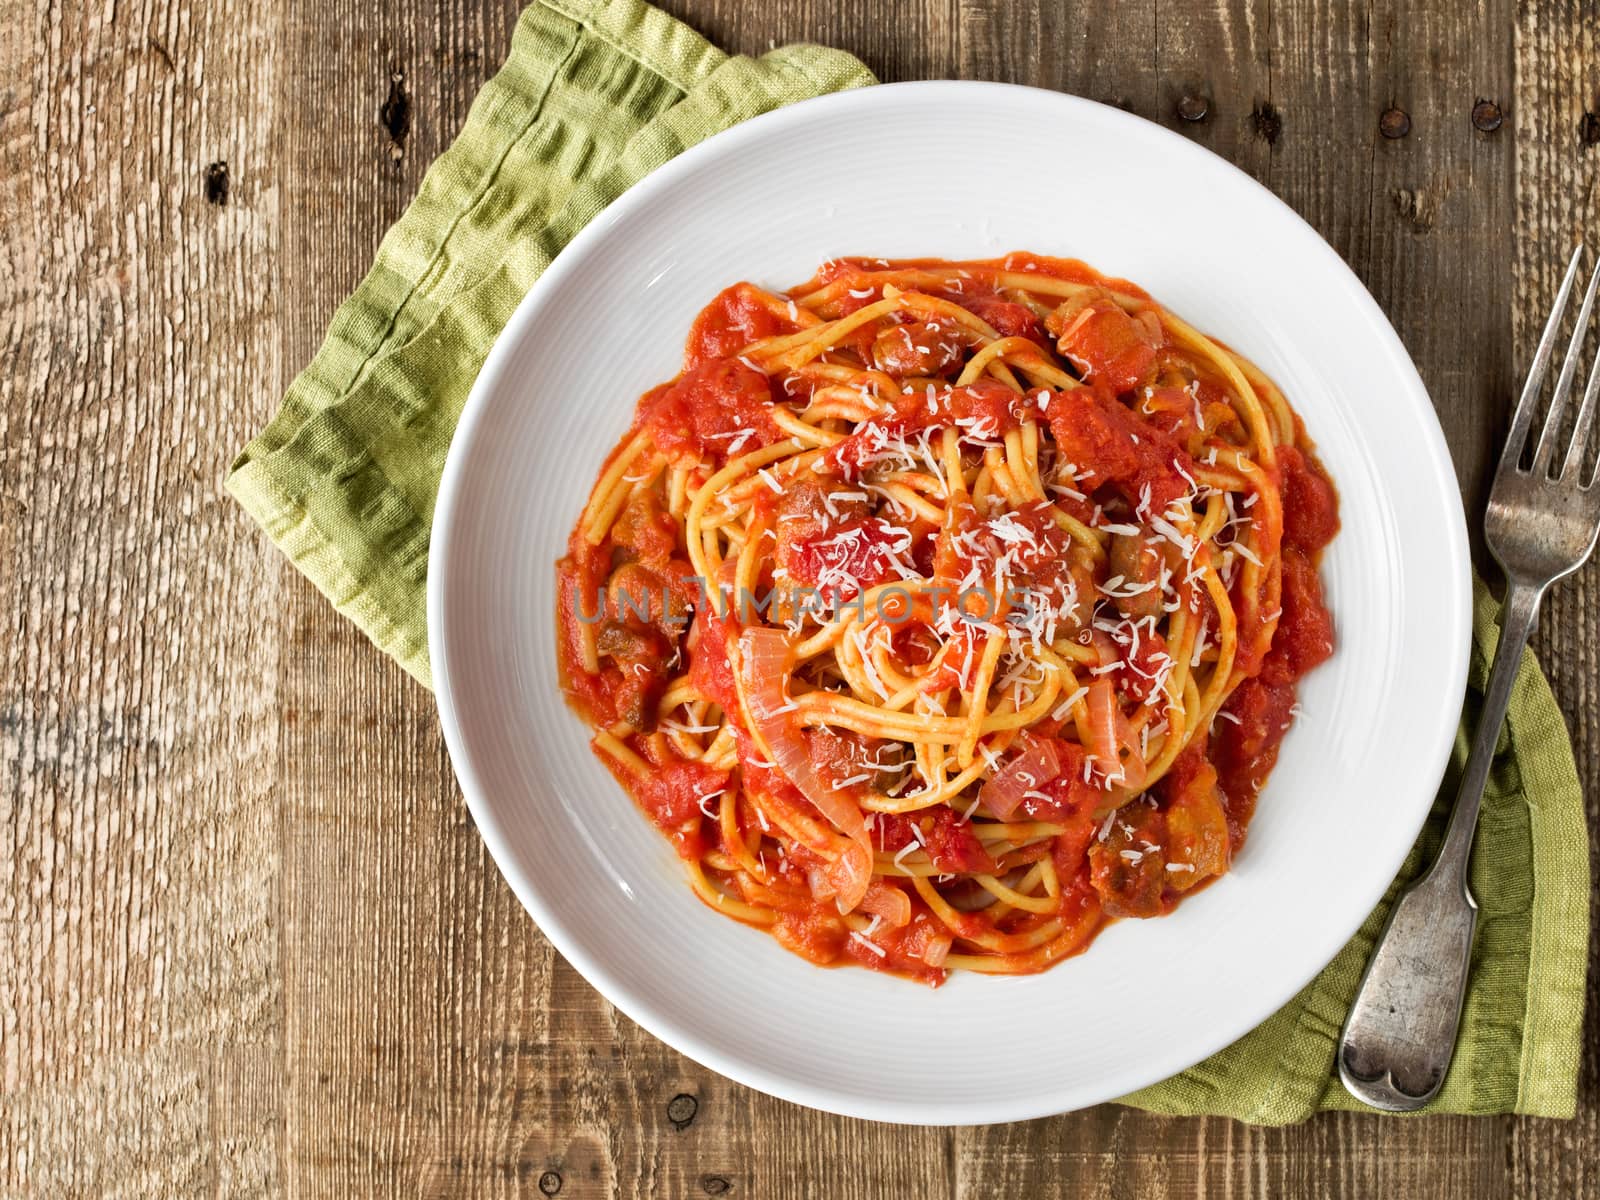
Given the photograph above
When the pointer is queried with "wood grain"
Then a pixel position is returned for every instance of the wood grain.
(140, 981)
(250, 945)
(1557, 177)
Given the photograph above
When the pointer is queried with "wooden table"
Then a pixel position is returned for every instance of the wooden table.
(250, 943)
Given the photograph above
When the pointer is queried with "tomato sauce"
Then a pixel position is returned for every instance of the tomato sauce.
(949, 841)
(1310, 505)
(917, 348)
(709, 669)
(1251, 726)
(903, 948)
(847, 558)
(1139, 677)
(739, 315)
(714, 410)
(672, 792)
(1098, 433)
(1111, 349)
(1005, 317)
(985, 410)
(1068, 798)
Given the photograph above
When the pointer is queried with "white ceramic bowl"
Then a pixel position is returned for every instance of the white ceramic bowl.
(959, 170)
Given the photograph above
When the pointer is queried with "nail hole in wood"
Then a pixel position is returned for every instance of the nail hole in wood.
(1266, 121)
(396, 112)
(1395, 123)
(681, 1110)
(217, 182)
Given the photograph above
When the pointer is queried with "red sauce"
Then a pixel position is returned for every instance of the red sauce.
(985, 409)
(711, 408)
(1070, 799)
(950, 843)
(1262, 708)
(1246, 738)
(738, 316)
(1310, 506)
(671, 793)
(904, 949)
(918, 348)
(1141, 665)
(1070, 854)
(850, 557)
(812, 932)
(709, 668)
(1110, 348)
(1005, 317)
(1092, 428)
(842, 758)
(579, 576)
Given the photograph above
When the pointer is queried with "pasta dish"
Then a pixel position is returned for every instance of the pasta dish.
(938, 612)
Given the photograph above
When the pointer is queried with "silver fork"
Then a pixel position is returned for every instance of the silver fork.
(1401, 1031)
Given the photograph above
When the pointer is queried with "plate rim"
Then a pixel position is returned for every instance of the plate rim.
(1433, 454)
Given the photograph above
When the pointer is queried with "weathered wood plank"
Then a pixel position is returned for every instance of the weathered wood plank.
(415, 1031)
(1556, 145)
(1440, 217)
(913, 39)
(139, 994)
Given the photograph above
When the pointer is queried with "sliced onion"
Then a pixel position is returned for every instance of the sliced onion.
(1111, 739)
(889, 902)
(765, 661)
(1037, 765)
(841, 878)
(1104, 647)
(938, 949)
(817, 880)
(851, 873)
(1085, 314)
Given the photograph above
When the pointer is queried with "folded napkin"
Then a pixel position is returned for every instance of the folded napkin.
(593, 97)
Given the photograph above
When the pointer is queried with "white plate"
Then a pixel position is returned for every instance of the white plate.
(959, 170)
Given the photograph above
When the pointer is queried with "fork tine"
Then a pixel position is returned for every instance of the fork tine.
(1580, 428)
(1569, 368)
(1523, 416)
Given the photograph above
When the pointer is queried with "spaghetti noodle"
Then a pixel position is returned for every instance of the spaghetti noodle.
(940, 611)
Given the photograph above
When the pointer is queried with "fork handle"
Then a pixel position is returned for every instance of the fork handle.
(1400, 1035)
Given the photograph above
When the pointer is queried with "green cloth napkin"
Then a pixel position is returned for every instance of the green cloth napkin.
(593, 97)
